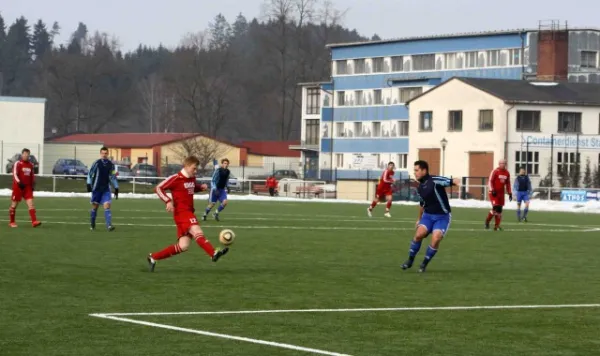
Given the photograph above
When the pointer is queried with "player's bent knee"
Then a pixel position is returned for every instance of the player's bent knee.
(184, 243)
(497, 209)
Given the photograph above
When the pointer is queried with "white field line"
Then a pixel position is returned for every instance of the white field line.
(307, 228)
(221, 336)
(356, 310)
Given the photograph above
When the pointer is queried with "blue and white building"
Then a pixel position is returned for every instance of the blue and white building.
(357, 120)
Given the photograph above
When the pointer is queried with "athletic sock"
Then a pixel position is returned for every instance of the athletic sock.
(167, 252)
(415, 246)
(108, 217)
(93, 214)
(12, 213)
(204, 244)
(429, 255)
(32, 215)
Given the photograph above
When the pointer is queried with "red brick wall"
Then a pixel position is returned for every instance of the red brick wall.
(553, 55)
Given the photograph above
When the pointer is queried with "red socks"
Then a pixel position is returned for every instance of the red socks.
(167, 252)
(204, 244)
(373, 204)
(32, 215)
(498, 219)
(388, 205)
(12, 213)
(489, 217)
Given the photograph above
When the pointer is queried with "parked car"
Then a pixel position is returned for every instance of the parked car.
(69, 167)
(205, 177)
(144, 170)
(16, 158)
(124, 173)
(170, 169)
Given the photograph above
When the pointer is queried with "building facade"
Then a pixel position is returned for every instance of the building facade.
(359, 121)
(466, 125)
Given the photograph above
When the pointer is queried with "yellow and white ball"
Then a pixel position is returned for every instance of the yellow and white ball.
(226, 237)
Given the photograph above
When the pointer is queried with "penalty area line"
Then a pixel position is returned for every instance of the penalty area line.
(351, 310)
(221, 336)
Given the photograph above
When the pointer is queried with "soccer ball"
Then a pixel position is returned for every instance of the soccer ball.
(226, 237)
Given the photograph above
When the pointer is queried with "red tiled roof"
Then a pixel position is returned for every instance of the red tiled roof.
(272, 148)
(130, 140)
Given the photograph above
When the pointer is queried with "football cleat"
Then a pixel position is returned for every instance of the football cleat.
(524, 220)
(151, 263)
(408, 264)
(369, 212)
(36, 223)
(387, 215)
(487, 226)
(204, 217)
(110, 228)
(219, 252)
(13, 225)
(216, 216)
(498, 228)
(422, 268)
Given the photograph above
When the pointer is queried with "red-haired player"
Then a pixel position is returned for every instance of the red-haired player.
(384, 190)
(499, 180)
(23, 182)
(183, 186)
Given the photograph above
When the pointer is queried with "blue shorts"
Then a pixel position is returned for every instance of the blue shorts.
(434, 222)
(217, 195)
(522, 197)
(101, 197)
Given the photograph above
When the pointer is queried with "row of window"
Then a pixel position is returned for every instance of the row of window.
(423, 62)
(530, 160)
(373, 129)
(527, 121)
(401, 161)
(375, 97)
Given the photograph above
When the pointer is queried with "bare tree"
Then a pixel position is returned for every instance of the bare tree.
(204, 148)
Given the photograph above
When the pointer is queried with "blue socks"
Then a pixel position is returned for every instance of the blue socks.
(93, 214)
(414, 249)
(108, 217)
(429, 255)
(220, 208)
(525, 212)
(207, 211)
(519, 214)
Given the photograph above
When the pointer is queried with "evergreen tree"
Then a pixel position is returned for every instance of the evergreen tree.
(78, 39)
(2, 45)
(575, 175)
(596, 177)
(563, 176)
(240, 26)
(16, 58)
(547, 181)
(587, 174)
(220, 32)
(55, 31)
(41, 40)
(375, 37)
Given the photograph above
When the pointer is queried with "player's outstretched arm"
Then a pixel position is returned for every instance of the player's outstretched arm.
(443, 181)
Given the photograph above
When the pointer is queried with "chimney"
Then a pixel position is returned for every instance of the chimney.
(553, 51)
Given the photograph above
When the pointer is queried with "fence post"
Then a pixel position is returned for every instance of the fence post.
(368, 176)
(244, 176)
(133, 184)
(2, 155)
(54, 184)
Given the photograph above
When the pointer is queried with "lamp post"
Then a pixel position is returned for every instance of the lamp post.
(444, 143)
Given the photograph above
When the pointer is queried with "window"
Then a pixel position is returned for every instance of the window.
(402, 128)
(528, 120)
(515, 57)
(451, 61)
(471, 59)
(341, 67)
(311, 133)
(408, 93)
(589, 59)
(568, 161)
(377, 159)
(397, 64)
(455, 120)
(423, 62)
(339, 160)
(377, 97)
(341, 98)
(377, 65)
(339, 129)
(358, 129)
(529, 160)
(376, 129)
(313, 101)
(402, 161)
(486, 120)
(569, 122)
(358, 97)
(359, 66)
(493, 58)
(425, 121)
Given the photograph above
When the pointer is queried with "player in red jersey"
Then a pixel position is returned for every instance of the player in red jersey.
(183, 186)
(384, 190)
(499, 179)
(22, 188)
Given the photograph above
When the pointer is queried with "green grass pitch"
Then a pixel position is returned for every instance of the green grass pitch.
(297, 256)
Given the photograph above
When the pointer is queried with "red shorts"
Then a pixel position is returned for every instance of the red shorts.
(184, 222)
(18, 194)
(498, 200)
(382, 193)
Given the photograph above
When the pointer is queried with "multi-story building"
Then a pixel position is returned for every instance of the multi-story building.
(358, 121)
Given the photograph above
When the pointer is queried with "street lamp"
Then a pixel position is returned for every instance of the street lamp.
(444, 143)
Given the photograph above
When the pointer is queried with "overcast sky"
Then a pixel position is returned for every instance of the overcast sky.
(153, 22)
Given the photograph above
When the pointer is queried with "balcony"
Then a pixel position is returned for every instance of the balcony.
(306, 145)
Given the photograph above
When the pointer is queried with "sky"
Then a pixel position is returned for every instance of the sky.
(154, 22)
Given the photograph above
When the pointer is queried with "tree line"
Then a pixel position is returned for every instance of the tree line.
(237, 81)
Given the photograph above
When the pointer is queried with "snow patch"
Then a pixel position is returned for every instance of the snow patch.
(536, 205)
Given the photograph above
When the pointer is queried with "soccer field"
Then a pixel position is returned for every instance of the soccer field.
(301, 279)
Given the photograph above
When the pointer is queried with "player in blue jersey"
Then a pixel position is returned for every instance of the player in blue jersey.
(218, 189)
(434, 214)
(523, 188)
(100, 177)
